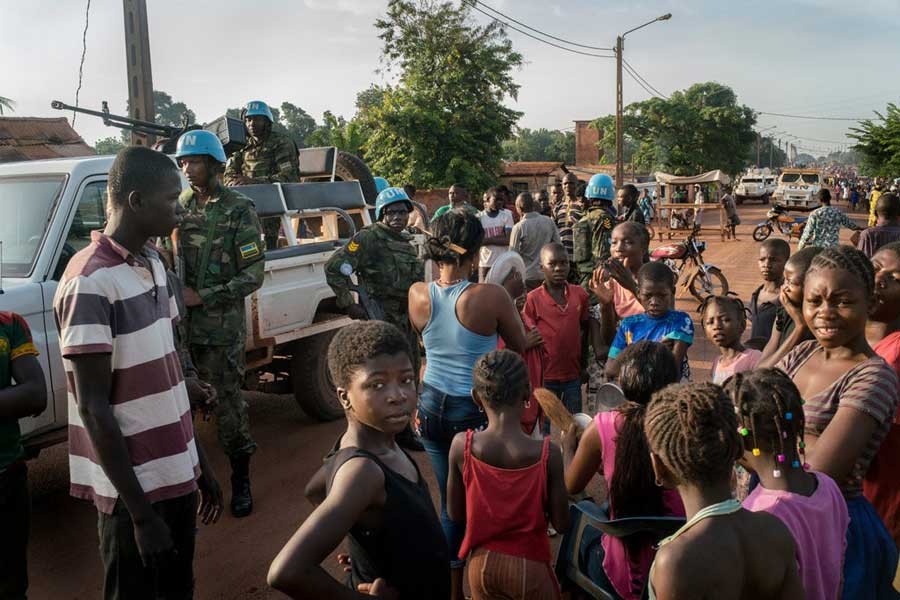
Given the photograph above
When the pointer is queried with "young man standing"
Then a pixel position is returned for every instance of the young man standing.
(568, 212)
(458, 197)
(497, 223)
(529, 235)
(132, 450)
(824, 224)
(887, 226)
(28, 397)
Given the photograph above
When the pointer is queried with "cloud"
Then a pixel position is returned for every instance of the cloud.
(557, 10)
(356, 7)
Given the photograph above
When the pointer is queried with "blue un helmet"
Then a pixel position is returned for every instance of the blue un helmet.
(388, 196)
(199, 142)
(600, 187)
(381, 184)
(258, 107)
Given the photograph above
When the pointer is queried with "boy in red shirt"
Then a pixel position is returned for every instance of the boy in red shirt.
(560, 311)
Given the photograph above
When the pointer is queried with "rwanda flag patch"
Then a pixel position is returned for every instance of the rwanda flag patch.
(249, 250)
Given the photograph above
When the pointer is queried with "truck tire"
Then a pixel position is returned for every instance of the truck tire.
(313, 389)
(350, 167)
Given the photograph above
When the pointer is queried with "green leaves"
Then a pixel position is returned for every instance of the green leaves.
(6, 104)
(444, 121)
(879, 143)
(540, 144)
(695, 130)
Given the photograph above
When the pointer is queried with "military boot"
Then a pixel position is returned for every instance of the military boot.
(241, 499)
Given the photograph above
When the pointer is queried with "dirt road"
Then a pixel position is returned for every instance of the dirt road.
(233, 556)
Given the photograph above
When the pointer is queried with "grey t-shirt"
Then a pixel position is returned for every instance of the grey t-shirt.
(528, 236)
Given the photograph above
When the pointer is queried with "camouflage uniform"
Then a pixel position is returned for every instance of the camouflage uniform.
(223, 260)
(591, 238)
(272, 160)
(387, 265)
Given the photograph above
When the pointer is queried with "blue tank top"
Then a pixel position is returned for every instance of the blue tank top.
(450, 349)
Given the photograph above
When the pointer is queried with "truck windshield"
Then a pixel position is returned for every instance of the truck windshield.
(790, 178)
(26, 205)
(811, 178)
(749, 180)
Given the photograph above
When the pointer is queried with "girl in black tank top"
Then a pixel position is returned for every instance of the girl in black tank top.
(370, 490)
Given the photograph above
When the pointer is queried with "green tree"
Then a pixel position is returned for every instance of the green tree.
(445, 120)
(695, 130)
(109, 145)
(540, 145)
(878, 143)
(169, 112)
(767, 148)
(290, 120)
(6, 104)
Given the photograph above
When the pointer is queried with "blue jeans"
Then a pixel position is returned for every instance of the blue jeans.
(569, 392)
(441, 417)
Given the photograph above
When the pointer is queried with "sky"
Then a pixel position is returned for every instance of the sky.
(834, 58)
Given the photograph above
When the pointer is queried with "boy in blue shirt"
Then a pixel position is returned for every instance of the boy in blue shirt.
(659, 323)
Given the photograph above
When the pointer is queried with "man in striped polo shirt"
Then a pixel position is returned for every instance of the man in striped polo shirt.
(566, 214)
(132, 450)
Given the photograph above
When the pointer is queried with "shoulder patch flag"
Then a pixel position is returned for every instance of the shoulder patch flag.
(249, 250)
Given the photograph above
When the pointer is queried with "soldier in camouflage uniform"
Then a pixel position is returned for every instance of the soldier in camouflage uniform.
(592, 233)
(386, 265)
(219, 251)
(269, 157)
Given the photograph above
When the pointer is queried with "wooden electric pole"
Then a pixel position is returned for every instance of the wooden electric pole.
(137, 60)
(620, 153)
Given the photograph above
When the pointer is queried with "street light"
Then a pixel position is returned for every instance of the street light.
(620, 44)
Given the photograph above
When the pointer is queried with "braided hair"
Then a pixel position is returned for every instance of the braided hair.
(455, 237)
(500, 378)
(846, 258)
(646, 367)
(729, 301)
(770, 411)
(692, 428)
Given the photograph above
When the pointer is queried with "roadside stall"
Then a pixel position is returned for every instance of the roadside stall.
(676, 212)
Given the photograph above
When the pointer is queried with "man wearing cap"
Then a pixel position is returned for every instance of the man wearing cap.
(268, 157)
(220, 248)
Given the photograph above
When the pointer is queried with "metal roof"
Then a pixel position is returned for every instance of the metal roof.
(34, 138)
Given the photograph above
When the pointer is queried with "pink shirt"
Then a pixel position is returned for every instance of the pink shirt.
(819, 526)
(624, 301)
(746, 361)
(628, 574)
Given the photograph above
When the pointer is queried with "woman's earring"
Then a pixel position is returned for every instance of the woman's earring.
(528, 403)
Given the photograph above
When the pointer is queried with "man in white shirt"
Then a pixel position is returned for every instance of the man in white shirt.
(497, 223)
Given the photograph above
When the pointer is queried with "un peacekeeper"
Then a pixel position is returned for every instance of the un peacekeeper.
(269, 157)
(386, 265)
(591, 234)
(220, 248)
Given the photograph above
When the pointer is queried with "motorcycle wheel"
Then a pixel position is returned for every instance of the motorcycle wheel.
(784, 228)
(712, 284)
(762, 232)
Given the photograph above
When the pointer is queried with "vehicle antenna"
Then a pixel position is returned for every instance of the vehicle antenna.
(1, 267)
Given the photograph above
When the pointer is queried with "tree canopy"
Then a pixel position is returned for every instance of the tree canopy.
(695, 130)
(878, 143)
(444, 120)
(541, 145)
(6, 104)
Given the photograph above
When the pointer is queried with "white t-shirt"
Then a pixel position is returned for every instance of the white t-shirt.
(494, 226)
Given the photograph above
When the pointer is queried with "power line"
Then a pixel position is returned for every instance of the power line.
(534, 37)
(552, 37)
(771, 114)
(639, 82)
(638, 75)
(87, 14)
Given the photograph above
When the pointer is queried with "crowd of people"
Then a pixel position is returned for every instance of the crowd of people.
(780, 467)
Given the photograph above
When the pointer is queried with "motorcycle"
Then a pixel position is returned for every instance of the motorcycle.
(701, 279)
(778, 218)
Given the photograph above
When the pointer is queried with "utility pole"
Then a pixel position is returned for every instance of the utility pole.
(770, 153)
(620, 151)
(137, 61)
(757, 149)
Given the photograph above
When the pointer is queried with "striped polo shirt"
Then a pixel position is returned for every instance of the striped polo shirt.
(565, 217)
(109, 302)
(870, 387)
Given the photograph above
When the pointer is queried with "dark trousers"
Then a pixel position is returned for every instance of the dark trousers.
(15, 520)
(126, 577)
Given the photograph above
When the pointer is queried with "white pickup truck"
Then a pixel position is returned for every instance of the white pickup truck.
(51, 206)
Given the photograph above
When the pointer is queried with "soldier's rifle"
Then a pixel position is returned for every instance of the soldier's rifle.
(373, 308)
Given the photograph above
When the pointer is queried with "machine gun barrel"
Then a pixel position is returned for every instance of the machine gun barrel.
(137, 125)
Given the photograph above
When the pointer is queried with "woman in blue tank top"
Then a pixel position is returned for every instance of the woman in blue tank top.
(459, 321)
